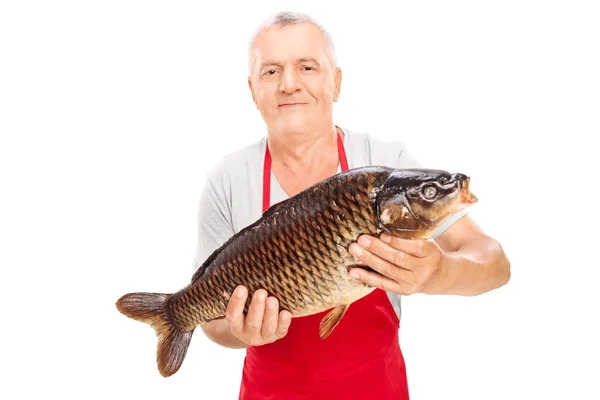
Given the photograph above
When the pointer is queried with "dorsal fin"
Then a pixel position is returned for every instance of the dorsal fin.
(275, 207)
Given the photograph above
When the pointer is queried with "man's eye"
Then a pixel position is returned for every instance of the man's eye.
(270, 72)
(308, 68)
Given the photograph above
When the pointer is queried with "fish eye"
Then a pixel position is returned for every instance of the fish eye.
(429, 192)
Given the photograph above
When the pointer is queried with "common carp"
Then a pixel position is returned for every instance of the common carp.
(298, 251)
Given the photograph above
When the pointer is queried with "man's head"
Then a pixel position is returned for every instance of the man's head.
(294, 78)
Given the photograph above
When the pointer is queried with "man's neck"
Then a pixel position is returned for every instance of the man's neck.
(302, 151)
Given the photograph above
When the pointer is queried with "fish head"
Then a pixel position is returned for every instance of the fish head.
(413, 203)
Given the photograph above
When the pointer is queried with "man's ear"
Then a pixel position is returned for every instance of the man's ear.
(337, 79)
(252, 91)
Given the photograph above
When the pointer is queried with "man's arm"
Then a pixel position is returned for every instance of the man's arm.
(476, 262)
(462, 261)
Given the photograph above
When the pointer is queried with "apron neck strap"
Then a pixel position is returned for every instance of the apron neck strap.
(267, 170)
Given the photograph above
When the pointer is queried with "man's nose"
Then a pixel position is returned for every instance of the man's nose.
(290, 81)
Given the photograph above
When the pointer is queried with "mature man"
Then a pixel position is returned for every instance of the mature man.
(294, 80)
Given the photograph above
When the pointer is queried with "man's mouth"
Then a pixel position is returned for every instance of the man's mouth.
(291, 105)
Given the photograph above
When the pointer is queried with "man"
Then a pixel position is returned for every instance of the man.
(294, 80)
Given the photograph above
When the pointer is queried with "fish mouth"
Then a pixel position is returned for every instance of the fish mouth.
(467, 198)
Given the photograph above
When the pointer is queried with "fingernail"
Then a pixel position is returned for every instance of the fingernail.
(355, 250)
(354, 274)
(364, 241)
(385, 238)
(260, 296)
(271, 303)
(240, 291)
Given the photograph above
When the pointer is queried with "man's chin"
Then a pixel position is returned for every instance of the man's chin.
(293, 127)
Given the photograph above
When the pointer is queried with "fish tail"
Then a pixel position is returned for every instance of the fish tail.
(172, 342)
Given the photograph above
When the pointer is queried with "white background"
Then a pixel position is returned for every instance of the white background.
(111, 113)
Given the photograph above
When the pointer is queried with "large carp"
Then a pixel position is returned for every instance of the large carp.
(298, 251)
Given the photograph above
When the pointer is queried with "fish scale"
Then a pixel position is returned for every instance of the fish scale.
(304, 243)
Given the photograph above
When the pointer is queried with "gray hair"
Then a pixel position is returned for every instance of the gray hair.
(285, 18)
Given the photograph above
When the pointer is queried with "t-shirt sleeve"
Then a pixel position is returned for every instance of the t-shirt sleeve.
(406, 159)
(392, 154)
(215, 225)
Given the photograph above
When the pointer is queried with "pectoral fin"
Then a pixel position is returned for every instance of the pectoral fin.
(365, 267)
(331, 320)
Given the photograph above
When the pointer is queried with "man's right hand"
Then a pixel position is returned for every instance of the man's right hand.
(263, 324)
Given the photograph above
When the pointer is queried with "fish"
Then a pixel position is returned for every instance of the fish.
(298, 251)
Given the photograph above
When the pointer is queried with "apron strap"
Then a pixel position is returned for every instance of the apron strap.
(266, 203)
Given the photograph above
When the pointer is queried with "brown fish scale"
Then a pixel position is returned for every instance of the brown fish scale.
(299, 254)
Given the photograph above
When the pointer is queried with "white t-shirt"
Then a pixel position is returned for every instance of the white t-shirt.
(232, 195)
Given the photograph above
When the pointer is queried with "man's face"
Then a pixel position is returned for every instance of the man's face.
(292, 81)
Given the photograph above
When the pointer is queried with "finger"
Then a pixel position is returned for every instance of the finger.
(415, 247)
(386, 252)
(285, 319)
(256, 312)
(378, 264)
(379, 281)
(235, 309)
(269, 324)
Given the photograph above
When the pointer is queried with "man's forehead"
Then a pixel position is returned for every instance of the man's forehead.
(289, 43)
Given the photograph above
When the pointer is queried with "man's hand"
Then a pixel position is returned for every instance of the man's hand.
(404, 266)
(263, 324)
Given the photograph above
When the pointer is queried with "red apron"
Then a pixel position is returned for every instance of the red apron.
(361, 359)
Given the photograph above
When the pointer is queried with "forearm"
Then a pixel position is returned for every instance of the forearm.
(219, 331)
(477, 267)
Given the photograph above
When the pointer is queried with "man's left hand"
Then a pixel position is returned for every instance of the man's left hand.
(404, 266)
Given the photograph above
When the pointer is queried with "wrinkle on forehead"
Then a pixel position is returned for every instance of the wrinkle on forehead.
(323, 57)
